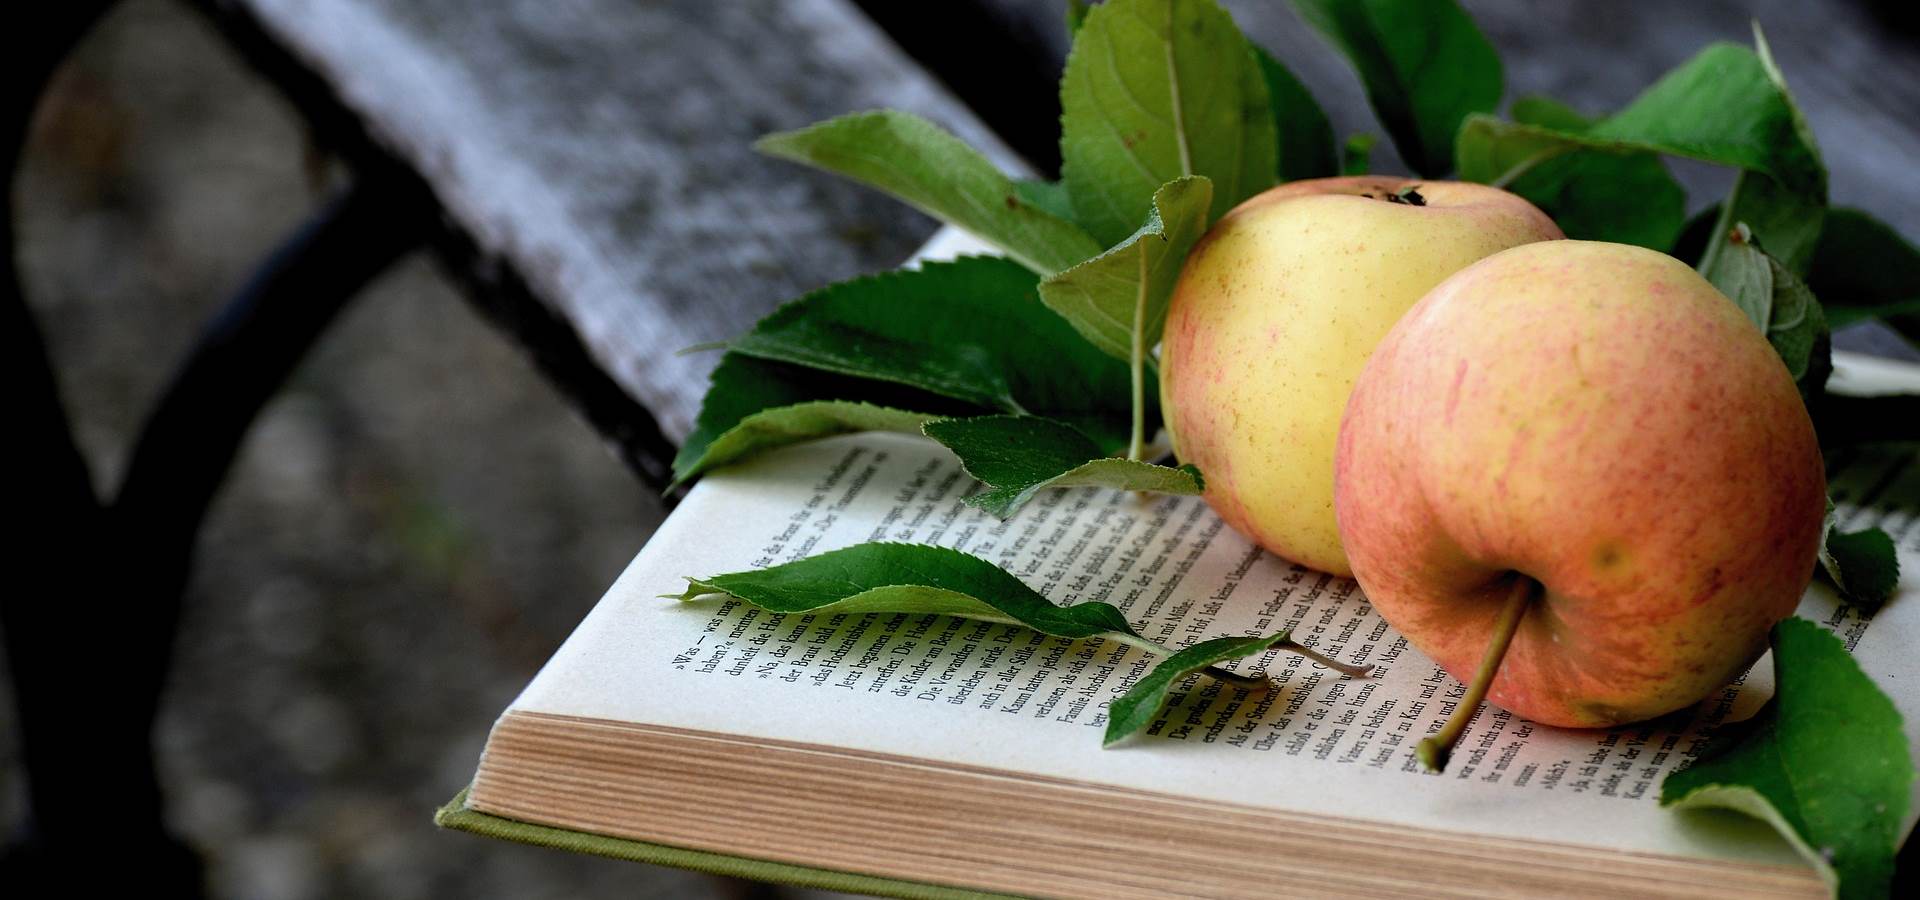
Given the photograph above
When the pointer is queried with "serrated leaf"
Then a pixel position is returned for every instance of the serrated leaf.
(1862, 564)
(1136, 709)
(921, 163)
(973, 330)
(1020, 456)
(1306, 145)
(1727, 105)
(1862, 268)
(1425, 66)
(917, 579)
(1626, 197)
(1155, 90)
(1781, 191)
(914, 579)
(753, 405)
(1779, 304)
(1076, 16)
(1825, 762)
(1118, 300)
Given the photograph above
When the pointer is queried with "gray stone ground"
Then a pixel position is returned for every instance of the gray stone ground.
(414, 525)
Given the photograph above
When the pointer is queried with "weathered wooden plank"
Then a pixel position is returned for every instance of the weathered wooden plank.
(601, 150)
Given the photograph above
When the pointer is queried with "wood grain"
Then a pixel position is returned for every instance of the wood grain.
(601, 149)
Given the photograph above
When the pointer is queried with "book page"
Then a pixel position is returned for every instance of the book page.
(944, 689)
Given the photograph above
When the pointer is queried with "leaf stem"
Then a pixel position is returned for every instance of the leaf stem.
(1232, 677)
(1134, 640)
(1433, 751)
(1348, 669)
(1722, 224)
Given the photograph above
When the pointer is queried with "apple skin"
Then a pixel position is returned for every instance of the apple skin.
(1598, 417)
(1276, 311)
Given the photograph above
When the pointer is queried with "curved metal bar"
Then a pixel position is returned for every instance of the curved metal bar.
(89, 624)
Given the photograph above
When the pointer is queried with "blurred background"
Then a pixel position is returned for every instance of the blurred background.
(418, 519)
(413, 525)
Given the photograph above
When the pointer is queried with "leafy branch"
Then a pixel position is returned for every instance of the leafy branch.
(916, 579)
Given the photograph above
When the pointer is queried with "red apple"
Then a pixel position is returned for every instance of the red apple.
(1592, 438)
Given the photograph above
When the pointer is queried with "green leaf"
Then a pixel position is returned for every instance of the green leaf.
(972, 330)
(1136, 709)
(1155, 90)
(1118, 300)
(1424, 64)
(1307, 148)
(1779, 303)
(1626, 197)
(917, 579)
(753, 405)
(1047, 195)
(1790, 220)
(1356, 155)
(937, 173)
(1744, 116)
(1727, 105)
(1546, 112)
(914, 579)
(1825, 762)
(1020, 456)
(1862, 268)
(1862, 564)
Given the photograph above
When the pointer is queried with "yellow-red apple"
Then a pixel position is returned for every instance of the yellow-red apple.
(1275, 313)
(1592, 440)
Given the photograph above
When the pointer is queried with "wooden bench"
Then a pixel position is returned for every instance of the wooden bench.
(583, 167)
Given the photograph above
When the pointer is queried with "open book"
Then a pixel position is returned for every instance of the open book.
(912, 754)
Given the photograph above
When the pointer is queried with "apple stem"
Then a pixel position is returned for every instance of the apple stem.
(1433, 751)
